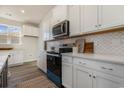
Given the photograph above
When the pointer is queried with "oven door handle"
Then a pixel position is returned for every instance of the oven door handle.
(55, 55)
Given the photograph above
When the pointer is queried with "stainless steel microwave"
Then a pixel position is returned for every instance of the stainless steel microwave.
(61, 29)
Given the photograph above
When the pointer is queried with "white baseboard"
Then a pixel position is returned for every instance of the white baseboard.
(17, 64)
(30, 60)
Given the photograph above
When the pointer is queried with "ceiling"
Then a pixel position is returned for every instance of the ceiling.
(25, 13)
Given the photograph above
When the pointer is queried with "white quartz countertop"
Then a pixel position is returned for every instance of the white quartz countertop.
(98, 57)
(3, 59)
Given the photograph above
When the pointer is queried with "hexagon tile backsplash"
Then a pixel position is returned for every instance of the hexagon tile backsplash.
(108, 43)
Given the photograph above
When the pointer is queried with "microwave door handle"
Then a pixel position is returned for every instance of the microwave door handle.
(62, 27)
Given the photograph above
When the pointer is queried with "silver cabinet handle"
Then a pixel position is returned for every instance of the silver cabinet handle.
(94, 76)
(96, 25)
(99, 25)
(89, 75)
(82, 63)
(107, 68)
(110, 69)
(103, 68)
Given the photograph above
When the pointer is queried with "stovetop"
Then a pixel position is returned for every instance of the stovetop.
(53, 52)
(61, 50)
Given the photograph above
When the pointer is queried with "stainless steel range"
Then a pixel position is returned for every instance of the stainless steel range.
(54, 65)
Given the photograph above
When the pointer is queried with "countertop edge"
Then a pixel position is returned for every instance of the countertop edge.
(3, 61)
(94, 58)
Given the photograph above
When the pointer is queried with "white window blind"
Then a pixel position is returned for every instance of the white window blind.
(10, 34)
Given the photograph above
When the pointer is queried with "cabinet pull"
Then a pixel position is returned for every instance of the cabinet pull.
(94, 76)
(89, 75)
(107, 68)
(65, 59)
(82, 63)
(110, 69)
(100, 25)
(103, 68)
(96, 26)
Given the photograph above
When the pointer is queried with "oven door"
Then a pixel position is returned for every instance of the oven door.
(54, 68)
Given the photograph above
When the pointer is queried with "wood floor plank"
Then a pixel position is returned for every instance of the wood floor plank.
(24, 73)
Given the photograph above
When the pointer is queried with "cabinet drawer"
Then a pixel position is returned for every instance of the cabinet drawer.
(66, 59)
(82, 62)
(113, 69)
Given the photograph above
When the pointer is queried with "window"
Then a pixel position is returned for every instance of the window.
(10, 34)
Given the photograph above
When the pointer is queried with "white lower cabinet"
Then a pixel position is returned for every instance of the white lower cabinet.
(83, 73)
(67, 75)
(82, 78)
(67, 69)
(102, 80)
(16, 58)
(42, 64)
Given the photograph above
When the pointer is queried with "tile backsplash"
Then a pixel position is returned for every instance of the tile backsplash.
(108, 43)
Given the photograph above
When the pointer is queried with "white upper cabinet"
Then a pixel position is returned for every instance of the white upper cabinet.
(47, 27)
(112, 15)
(30, 30)
(84, 19)
(60, 13)
(44, 29)
(74, 18)
(89, 18)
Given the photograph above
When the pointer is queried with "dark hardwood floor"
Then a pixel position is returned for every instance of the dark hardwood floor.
(23, 73)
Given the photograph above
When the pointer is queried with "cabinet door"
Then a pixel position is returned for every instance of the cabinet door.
(74, 18)
(18, 57)
(30, 30)
(42, 61)
(112, 15)
(45, 29)
(50, 25)
(89, 18)
(82, 78)
(11, 59)
(59, 14)
(67, 75)
(35, 31)
(26, 30)
(102, 80)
